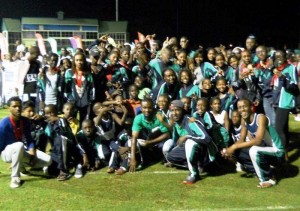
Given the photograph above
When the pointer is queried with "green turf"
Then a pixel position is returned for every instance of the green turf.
(156, 188)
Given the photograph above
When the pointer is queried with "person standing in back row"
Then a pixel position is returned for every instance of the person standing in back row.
(285, 90)
(30, 79)
(80, 86)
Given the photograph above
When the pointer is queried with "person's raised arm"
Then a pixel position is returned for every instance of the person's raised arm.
(117, 119)
(109, 102)
(98, 118)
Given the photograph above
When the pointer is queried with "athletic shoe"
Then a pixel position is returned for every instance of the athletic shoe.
(45, 170)
(15, 182)
(238, 167)
(140, 167)
(63, 176)
(110, 170)
(78, 171)
(97, 164)
(267, 184)
(297, 118)
(24, 172)
(191, 180)
(168, 164)
(120, 171)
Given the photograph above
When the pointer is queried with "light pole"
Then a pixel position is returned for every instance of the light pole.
(117, 10)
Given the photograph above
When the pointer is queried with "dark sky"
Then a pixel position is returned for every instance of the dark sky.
(208, 22)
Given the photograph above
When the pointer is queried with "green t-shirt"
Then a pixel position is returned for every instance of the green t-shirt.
(140, 123)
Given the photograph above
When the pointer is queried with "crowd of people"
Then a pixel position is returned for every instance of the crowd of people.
(128, 106)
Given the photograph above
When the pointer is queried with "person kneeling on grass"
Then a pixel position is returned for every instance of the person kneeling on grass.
(266, 147)
(193, 137)
(93, 149)
(16, 143)
(153, 136)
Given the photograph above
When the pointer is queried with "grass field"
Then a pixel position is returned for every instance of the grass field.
(156, 188)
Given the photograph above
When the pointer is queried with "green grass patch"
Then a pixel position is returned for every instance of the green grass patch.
(156, 188)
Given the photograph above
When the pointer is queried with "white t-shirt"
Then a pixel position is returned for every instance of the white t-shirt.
(220, 118)
(198, 77)
(51, 89)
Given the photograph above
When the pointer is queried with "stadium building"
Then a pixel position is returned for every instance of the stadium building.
(61, 29)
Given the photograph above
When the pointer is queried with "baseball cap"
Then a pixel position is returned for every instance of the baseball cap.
(251, 36)
(177, 103)
(237, 50)
(95, 52)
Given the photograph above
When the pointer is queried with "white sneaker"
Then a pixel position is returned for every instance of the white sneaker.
(15, 182)
(297, 118)
(45, 170)
(238, 167)
(24, 172)
(78, 171)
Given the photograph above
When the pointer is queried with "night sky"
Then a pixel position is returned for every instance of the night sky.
(206, 22)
